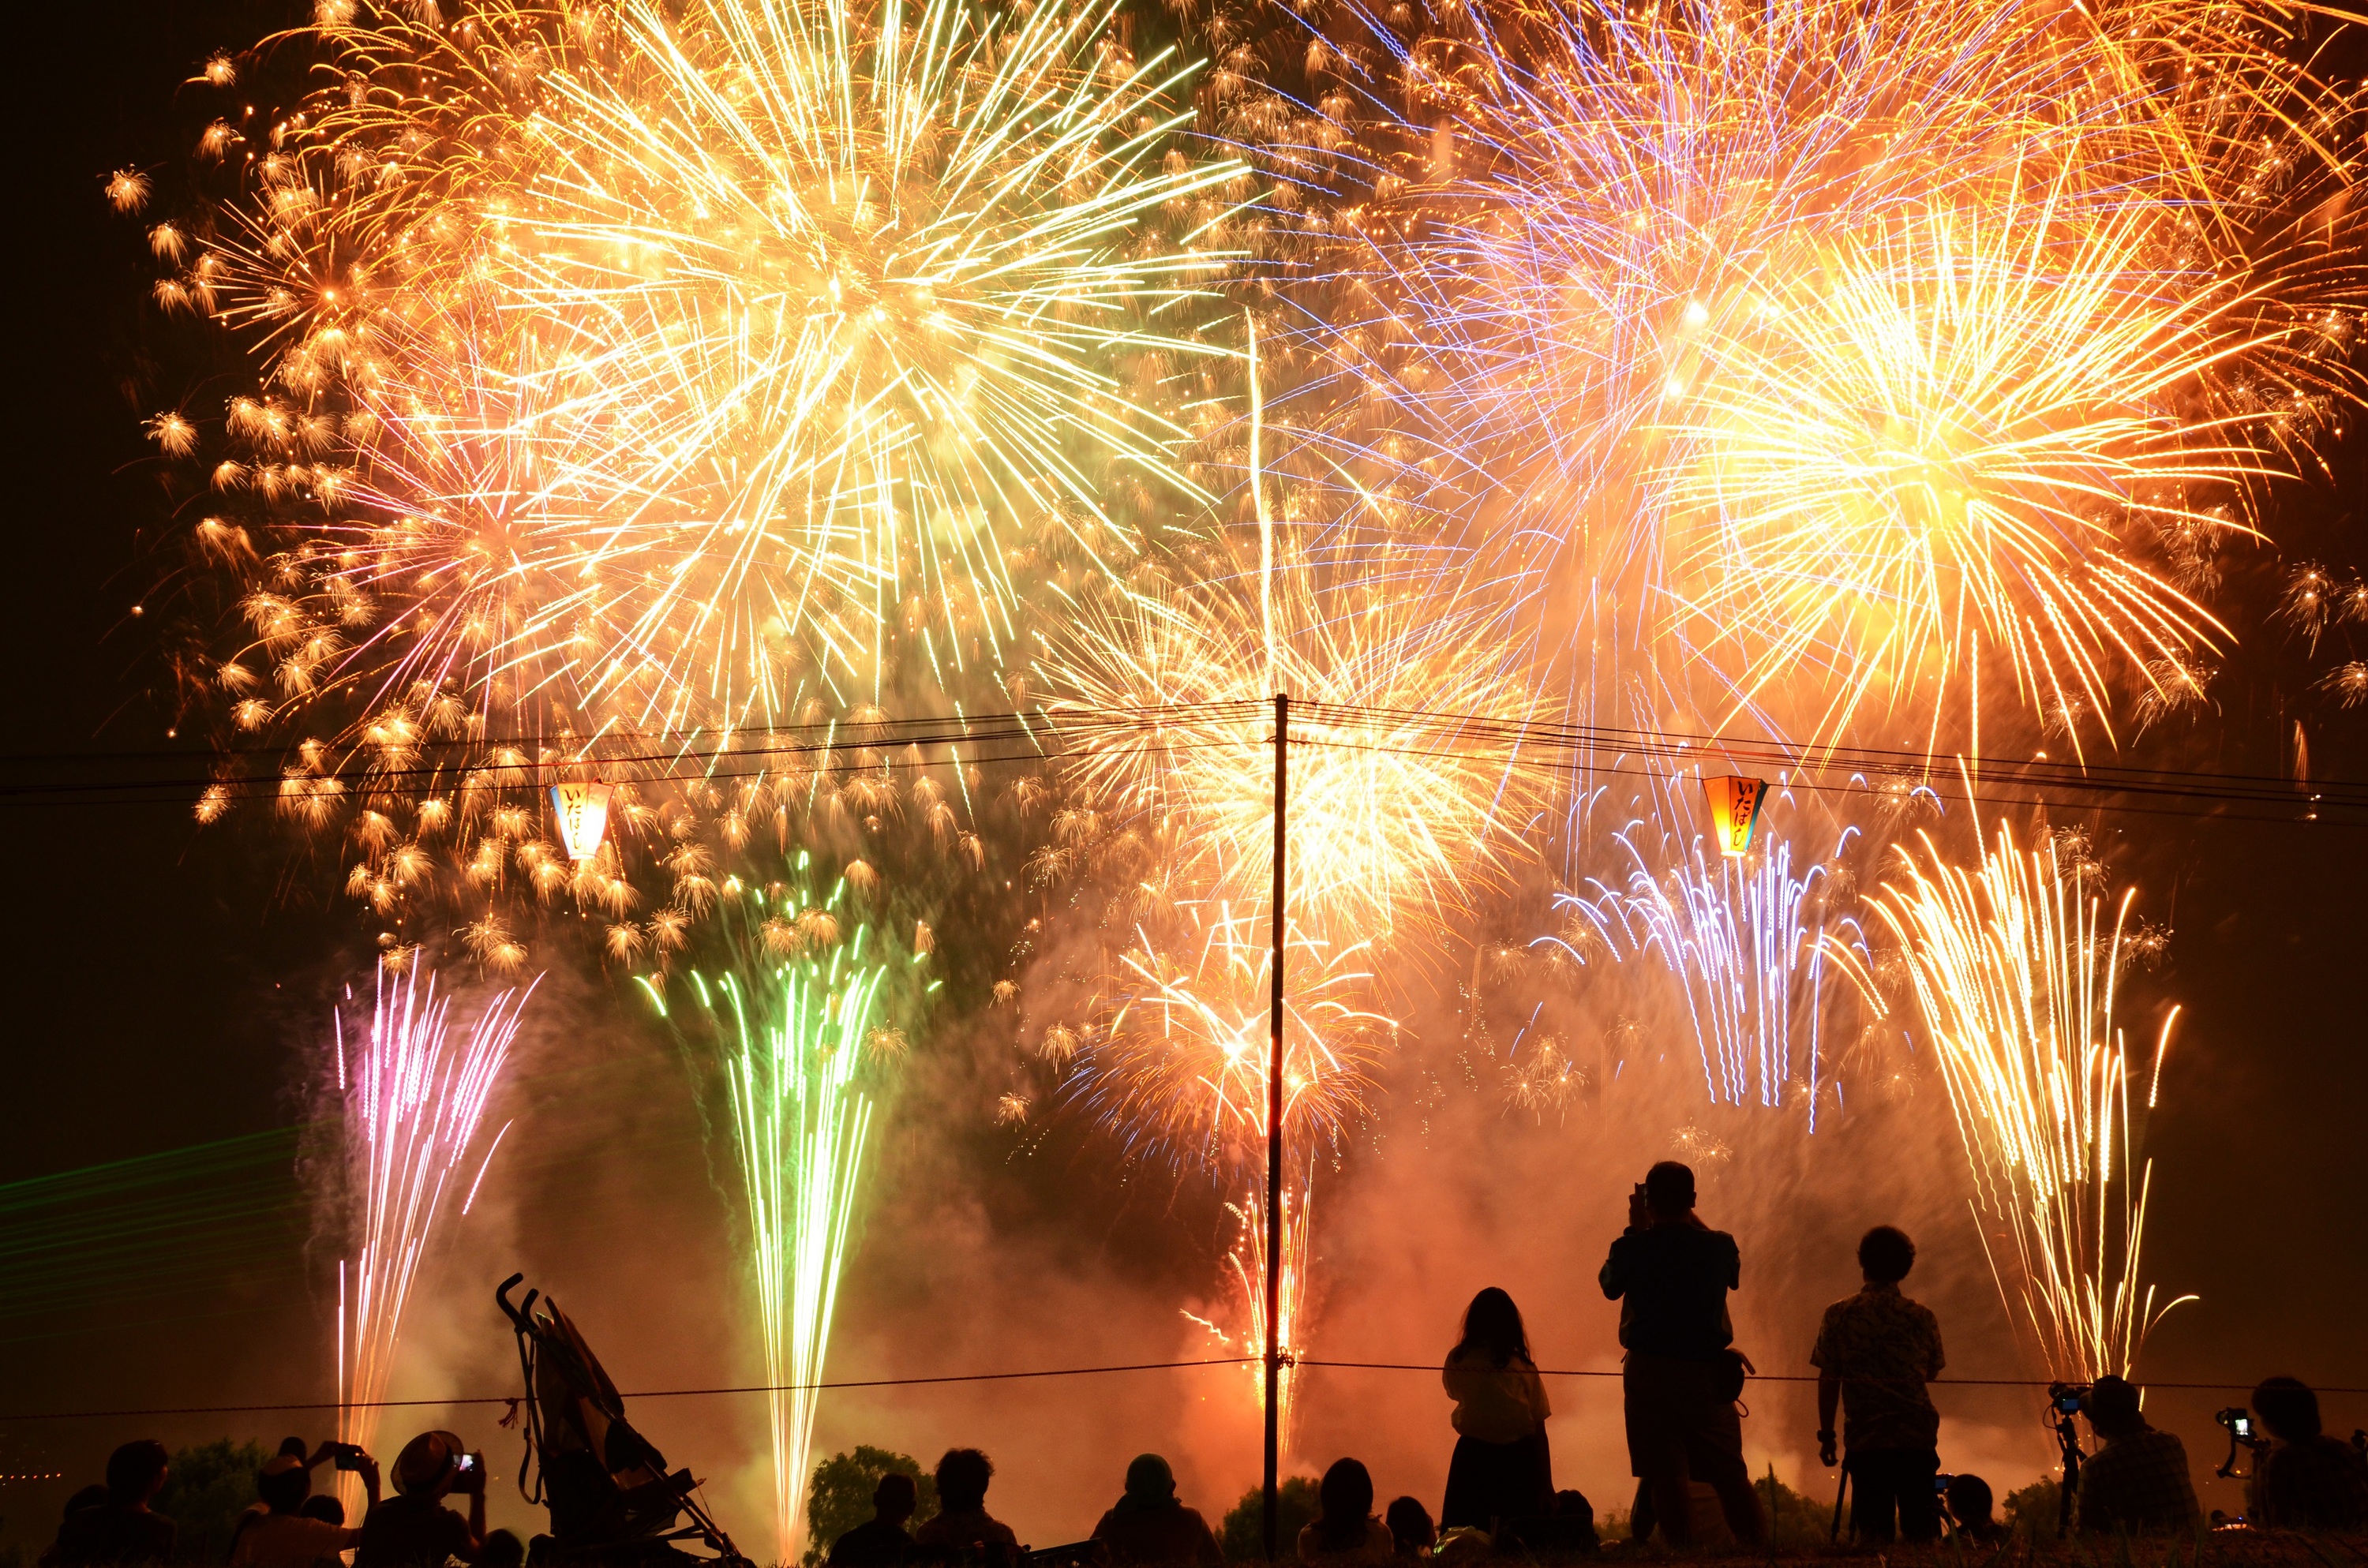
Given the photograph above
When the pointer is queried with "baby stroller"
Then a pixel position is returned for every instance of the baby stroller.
(613, 1503)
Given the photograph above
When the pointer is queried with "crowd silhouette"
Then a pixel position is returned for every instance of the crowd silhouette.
(1876, 1352)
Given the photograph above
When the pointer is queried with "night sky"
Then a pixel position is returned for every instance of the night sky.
(160, 977)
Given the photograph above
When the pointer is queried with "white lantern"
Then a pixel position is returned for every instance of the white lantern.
(582, 812)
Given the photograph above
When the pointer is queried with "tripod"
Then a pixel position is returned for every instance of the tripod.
(2067, 1439)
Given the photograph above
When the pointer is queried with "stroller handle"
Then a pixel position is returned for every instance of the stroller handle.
(515, 1314)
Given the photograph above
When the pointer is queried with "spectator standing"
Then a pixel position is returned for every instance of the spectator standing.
(881, 1541)
(283, 1536)
(2137, 1484)
(123, 1528)
(1345, 1534)
(414, 1526)
(962, 1522)
(1148, 1527)
(1502, 1469)
(1672, 1274)
(1875, 1353)
(2306, 1480)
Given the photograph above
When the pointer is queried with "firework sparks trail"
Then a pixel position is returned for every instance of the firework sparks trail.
(2016, 972)
(2015, 294)
(789, 312)
(1176, 1066)
(1246, 1277)
(415, 1087)
(1944, 444)
(797, 1023)
(1750, 942)
(1391, 814)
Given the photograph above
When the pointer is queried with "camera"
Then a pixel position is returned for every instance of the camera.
(2069, 1399)
(464, 1465)
(2242, 1436)
(1941, 1484)
(346, 1456)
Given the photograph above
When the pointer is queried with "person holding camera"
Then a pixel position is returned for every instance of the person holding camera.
(283, 1536)
(2137, 1482)
(1875, 1353)
(2306, 1480)
(1671, 1274)
(414, 1526)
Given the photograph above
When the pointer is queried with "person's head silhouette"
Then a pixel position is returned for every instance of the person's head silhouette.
(1345, 1496)
(896, 1498)
(963, 1476)
(1492, 1325)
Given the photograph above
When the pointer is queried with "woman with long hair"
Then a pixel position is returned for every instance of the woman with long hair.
(1502, 1469)
(1345, 1534)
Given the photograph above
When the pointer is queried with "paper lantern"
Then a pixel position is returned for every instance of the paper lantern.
(583, 811)
(1734, 809)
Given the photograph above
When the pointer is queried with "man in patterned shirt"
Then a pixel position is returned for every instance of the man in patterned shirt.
(2137, 1483)
(1874, 1352)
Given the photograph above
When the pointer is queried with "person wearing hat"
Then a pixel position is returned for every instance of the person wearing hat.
(1148, 1526)
(282, 1536)
(414, 1526)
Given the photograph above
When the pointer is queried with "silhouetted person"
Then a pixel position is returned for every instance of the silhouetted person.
(1970, 1505)
(1411, 1532)
(2137, 1484)
(291, 1451)
(1874, 1354)
(283, 1536)
(1502, 1469)
(881, 1541)
(1673, 1273)
(2306, 1480)
(962, 1522)
(324, 1506)
(502, 1550)
(1147, 1525)
(124, 1527)
(414, 1526)
(1345, 1534)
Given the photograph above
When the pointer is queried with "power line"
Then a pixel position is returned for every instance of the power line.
(1045, 735)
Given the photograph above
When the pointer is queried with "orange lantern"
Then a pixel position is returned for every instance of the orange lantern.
(1733, 810)
(582, 812)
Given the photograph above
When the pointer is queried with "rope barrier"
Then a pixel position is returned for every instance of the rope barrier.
(1008, 1377)
(1812, 1377)
(643, 1393)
